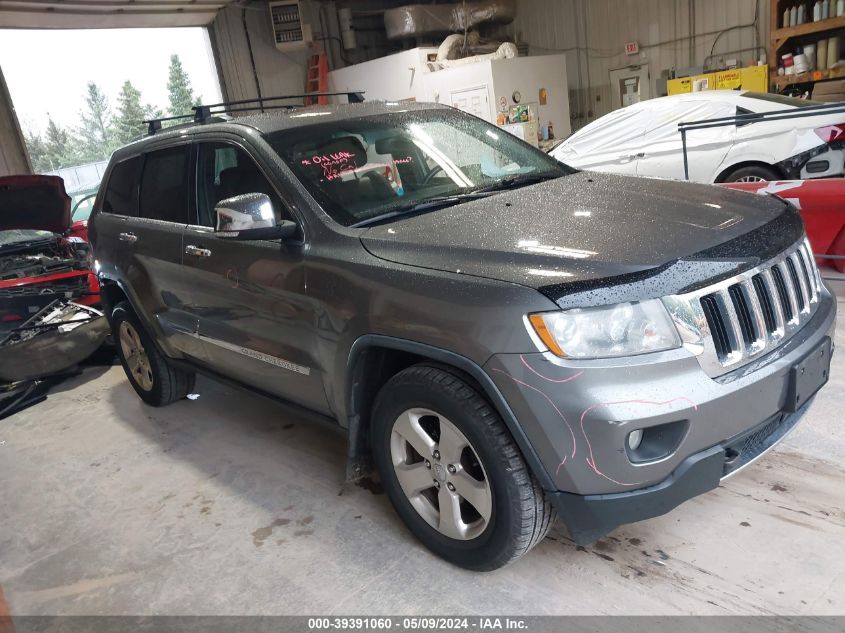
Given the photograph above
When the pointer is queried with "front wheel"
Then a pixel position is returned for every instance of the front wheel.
(453, 473)
(154, 379)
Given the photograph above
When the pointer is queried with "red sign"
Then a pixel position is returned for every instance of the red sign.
(632, 48)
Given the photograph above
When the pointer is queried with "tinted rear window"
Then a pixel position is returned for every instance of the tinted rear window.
(164, 185)
(122, 192)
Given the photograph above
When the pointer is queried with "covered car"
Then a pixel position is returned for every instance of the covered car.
(643, 139)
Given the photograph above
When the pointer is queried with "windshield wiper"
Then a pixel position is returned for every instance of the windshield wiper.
(513, 182)
(445, 201)
(426, 205)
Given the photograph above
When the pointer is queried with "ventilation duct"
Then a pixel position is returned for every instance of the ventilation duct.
(418, 20)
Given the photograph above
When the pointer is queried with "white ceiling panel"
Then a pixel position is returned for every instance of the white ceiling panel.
(106, 14)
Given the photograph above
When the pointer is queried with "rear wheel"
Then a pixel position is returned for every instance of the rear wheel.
(154, 379)
(753, 173)
(452, 471)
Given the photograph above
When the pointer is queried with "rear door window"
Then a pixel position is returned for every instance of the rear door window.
(122, 192)
(165, 185)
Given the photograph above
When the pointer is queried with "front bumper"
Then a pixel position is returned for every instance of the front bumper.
(577, 417)
(589, 517)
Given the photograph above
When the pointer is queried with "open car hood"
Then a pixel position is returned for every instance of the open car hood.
(34, 203)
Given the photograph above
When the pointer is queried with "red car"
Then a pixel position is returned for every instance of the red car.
(42, 257)
(822, 206)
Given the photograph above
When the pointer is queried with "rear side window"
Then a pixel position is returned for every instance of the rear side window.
(122, 191)
(164, 185)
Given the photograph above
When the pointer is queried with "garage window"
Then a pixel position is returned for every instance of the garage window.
(164, 185)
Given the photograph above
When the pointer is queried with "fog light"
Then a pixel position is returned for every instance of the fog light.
(634, 439)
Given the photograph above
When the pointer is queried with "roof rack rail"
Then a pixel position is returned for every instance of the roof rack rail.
(202, 113)
(154, 125)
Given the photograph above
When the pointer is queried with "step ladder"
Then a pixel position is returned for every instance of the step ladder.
(317, 79)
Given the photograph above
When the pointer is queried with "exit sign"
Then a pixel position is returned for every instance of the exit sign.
(632, 48)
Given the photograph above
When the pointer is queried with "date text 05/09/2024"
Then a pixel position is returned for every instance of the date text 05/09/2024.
(418, 623)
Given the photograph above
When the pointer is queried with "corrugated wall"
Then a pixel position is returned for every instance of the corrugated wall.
(284, 73)
(671, 34)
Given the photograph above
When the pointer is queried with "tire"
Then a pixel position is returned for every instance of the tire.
(418, 400)
(154, 379)
(753, 173)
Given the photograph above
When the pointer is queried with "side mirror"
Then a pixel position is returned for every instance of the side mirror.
(250, 217)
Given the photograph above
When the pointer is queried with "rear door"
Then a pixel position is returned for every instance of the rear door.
(145, 211)
(248, 297)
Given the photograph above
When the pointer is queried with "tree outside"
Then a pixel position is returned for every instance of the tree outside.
(95, 133)
(179, 90)
(129, 120)
(102, 128)
(60, 148)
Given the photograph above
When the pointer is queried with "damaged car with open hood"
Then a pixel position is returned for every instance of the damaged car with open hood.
(48, 289)
(504, 338)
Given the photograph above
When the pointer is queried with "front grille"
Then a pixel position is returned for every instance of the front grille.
(735, 321)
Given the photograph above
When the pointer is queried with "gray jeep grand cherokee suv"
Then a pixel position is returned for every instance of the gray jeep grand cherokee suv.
(504, 338)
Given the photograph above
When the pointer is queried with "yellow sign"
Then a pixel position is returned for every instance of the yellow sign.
(728, 79)
(754, 78)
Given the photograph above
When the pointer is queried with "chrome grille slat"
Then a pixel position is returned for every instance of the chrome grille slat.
(793, 263)
(732, 322)
(762, 335)
(806, 269)
(790, 291)
(769, 281)
(735, 333)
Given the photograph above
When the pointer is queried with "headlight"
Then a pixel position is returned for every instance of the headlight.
(624, 329)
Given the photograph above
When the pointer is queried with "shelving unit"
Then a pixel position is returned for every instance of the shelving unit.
(781, 37)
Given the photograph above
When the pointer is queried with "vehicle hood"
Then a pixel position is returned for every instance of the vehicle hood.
(584, 227)
(34, 203)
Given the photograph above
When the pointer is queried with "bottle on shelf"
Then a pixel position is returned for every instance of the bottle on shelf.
(825, 9)
(840, 8)
(817, 11)
(793, 16)
(801, 13)
(821, 55)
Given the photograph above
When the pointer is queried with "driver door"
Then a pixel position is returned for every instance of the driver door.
(248, 297)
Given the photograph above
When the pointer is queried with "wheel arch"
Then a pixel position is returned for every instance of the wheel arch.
(374, 359)
(748, 163)
(112, 292)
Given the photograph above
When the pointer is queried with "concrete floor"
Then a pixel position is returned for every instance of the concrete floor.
(225, 505)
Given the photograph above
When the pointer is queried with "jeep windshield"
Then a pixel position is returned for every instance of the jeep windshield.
(380, 168)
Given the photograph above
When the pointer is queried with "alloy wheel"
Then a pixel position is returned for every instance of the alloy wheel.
(137, 360)
(440, 473)
(751, 179)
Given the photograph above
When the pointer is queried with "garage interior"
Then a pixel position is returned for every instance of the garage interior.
(229, 503)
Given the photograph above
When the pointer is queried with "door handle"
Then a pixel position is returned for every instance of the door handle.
(128, 237)
(197, 251)
(640, 155)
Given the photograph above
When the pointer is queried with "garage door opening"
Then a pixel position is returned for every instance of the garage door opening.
(81, 94)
